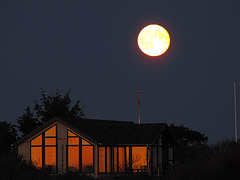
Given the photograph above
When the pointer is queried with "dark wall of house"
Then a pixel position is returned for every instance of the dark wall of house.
(168, 150)
(165, 142)
(161, 163)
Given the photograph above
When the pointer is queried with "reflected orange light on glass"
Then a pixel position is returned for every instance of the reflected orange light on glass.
(37, 141)
(36, 156)
(127, 156)
(50, 156)
(73, 141)
(108, 160)
(71, 134)
(101, 159)
(50, 141)
(121, 159)
(139, 157)
(50, 152)
(51, 132)
(73, 158)
(87, 158)
(115, 159)
(85, 142)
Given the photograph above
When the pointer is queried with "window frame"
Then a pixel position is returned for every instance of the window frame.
(43, 145)
(147, 159)
(114, 159)
(80, 145)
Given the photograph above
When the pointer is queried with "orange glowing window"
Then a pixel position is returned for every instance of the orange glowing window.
(101, 159)
(50, 156)
(73, 141)
(73, 158)
(115, 159)
(127, 156)
(70, 134)
(139, 158)
(51, 132)
(85, 142)
(36, 156)
(37, 141)
(50, 141)
(79, 147)
(121, 159)
(108, 160)
(87, 158)
(38, 148)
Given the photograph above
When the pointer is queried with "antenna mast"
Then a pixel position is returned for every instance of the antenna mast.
(235, 110)
(138, 98)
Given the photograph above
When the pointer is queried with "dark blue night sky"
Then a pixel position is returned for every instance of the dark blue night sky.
(90, 46)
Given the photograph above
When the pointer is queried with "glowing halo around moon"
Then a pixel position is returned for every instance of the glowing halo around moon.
(153, 40)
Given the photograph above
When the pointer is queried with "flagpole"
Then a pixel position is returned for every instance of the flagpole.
(138, 98)
(235, 110)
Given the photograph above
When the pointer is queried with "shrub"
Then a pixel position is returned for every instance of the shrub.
(13, 167)
(219, 161)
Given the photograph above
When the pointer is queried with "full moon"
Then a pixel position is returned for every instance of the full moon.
(153, 40)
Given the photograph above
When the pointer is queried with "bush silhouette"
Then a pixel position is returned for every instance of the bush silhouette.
(219, 161)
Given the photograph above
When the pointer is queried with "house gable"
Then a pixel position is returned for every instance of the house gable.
(55, 120)
(26, 149)
(100, 146)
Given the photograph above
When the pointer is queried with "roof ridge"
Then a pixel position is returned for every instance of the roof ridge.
(91, 119)
(110, 120)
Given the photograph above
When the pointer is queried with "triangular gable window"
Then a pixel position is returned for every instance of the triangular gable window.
(80, 153)
(51, 132)
(85, 142)
(70, 134)
(43, 149)
(37, 141)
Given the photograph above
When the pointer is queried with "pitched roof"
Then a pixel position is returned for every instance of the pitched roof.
(117, 132)
(108, 132)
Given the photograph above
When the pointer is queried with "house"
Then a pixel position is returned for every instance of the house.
(99, 147)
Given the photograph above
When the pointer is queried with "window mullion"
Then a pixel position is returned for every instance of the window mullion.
(80, 154)
(117, 160)
(106, 159)
(43, 150)
(67, 152)
(130, 158)
(56, 150)
(125, 158)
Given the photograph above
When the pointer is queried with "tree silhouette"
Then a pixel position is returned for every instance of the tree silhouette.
(8, 135)
(47, 107)
(27, 122)
(56, 104)
(186, 136)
